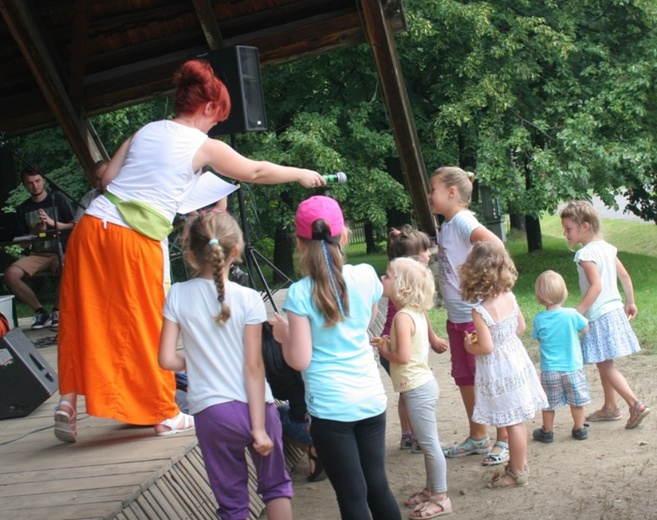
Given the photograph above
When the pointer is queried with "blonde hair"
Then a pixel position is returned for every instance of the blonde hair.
(453, 176)
(201, 250)
(487, 272)
(323, 260)
(407, 241)
(581, 211)
(550, 288)
(414, 284)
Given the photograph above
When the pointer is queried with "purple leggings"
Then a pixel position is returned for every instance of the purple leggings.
(223, 431)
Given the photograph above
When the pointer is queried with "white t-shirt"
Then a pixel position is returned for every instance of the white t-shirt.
(157, 170)
(453, 248)
(603, 255)
(214, 353)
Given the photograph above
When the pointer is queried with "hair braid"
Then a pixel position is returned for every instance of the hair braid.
(212, 238)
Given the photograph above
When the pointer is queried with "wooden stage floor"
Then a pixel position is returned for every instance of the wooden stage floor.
(112, 471)
(111, 466)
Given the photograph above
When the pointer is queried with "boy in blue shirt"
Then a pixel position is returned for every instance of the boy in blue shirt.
(562, 368)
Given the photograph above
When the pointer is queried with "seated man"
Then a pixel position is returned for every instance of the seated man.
(35, 216)
(87, 198)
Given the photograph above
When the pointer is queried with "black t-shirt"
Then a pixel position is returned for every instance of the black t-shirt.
(29, 221)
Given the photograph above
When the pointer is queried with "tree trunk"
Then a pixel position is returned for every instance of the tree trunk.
(370, 244)
(532, 224)
(517, 221)
(534, 237)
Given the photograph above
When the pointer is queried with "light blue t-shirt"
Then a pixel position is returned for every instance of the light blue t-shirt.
(557, 333)
(342, 381)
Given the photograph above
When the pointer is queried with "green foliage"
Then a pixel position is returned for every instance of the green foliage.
(562, 93)
(634, 241)
(51, 153)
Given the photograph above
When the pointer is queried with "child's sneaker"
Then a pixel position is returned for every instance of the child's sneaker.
(416, 448)
(542, 436)
(580, 433)
(406, 442)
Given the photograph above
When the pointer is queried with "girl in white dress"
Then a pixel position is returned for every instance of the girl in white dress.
(507, 388)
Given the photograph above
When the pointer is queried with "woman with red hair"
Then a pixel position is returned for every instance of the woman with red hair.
(114, 283)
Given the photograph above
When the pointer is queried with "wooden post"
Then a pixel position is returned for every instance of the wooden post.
(401, 118)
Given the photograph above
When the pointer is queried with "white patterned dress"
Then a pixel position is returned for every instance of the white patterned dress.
(507, 388)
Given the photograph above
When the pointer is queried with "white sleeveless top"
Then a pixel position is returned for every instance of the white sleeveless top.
(157, 169)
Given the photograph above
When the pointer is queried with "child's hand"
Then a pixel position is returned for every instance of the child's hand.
(439, 345)
(279, 327)
(631, 311)
(380, 343)
(262, 443)
(469, 342)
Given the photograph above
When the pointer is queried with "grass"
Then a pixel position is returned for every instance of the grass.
(636, 249)
(634, 240)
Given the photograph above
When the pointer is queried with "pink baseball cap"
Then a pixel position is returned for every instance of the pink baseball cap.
(316, 208)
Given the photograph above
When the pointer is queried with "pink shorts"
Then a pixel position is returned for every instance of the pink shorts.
(463, 363)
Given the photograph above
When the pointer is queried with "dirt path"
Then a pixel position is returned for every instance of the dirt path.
(611, 475)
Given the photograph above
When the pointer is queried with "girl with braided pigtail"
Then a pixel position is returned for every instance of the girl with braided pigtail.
(329, 311)
(233, 407)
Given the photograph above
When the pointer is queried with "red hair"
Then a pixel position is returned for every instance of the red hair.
(197, 85)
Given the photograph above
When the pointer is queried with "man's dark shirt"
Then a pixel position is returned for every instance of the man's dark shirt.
(29, 221)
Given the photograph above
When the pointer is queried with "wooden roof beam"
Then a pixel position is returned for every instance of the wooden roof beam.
(78, 54)
(209, 24)
(32, 44)
(401, 118)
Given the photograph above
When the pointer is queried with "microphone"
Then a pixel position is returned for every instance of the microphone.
(335, 178)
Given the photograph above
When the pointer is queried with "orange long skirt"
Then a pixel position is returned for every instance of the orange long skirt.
(111, 300)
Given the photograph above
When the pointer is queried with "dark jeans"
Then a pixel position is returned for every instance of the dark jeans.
(353, 454)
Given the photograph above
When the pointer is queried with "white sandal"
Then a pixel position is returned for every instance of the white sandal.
(66, 428)
(180, 423)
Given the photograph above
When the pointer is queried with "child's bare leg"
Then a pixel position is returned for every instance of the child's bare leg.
(279, 509)
(515, 473)
(578, 416)
(517, 448)
(548, 420)
(477, 431)
(613, 381)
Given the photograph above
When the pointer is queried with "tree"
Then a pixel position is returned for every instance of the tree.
(559, 94)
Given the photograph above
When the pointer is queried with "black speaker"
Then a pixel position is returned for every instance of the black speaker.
(239, 68)
(26, 379)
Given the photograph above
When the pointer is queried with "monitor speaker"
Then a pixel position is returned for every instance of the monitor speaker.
(26, 379)
(239, 68)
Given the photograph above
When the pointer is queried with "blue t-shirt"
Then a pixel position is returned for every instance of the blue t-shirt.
(557, 333)
(342, 381)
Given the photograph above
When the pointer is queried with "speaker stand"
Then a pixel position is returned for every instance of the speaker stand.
(252, 255)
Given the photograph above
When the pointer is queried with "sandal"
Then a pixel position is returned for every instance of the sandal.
(418, 498)
(517, 480)
(180, 423)
(318, 473)
(66, 423)
(468, 447)
(493, 459)
(427, 509)
(637, 413)
(604, 414)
